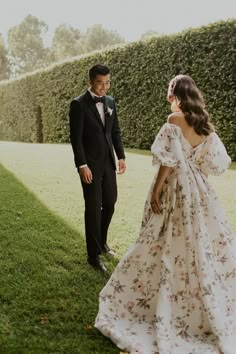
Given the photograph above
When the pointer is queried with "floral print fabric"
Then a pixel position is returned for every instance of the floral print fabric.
(174, 291)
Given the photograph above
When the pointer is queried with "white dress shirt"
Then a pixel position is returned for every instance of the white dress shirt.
(99, 106)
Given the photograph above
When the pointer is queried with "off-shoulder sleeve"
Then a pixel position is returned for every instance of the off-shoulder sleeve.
(213, 158)
(166, 148)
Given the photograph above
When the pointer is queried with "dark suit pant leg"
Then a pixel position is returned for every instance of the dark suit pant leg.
(92, 215)
(109, 197)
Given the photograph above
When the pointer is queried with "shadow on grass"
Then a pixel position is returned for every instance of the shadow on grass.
(48, 294)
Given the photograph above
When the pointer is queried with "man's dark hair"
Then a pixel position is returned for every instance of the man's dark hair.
(98, 69)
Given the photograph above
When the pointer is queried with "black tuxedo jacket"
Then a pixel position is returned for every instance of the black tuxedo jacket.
(90, 139)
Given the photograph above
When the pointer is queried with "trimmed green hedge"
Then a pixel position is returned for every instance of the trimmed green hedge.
(35, 108)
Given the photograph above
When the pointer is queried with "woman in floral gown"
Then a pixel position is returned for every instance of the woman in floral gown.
(174, 291)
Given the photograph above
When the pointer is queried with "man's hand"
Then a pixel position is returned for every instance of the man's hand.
(86, 174)
(122, 166)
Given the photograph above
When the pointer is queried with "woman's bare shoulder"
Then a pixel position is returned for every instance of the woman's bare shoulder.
(176, 118)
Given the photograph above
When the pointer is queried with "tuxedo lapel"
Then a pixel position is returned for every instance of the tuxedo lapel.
(108, 115)
(106, 104)
(93, 108)
(105, 112)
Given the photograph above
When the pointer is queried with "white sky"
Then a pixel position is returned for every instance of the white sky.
(130, 18)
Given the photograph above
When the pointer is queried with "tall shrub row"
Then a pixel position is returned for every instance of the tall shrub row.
(34, 108)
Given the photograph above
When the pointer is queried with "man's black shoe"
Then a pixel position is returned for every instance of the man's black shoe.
(97, 264)
(106, 250)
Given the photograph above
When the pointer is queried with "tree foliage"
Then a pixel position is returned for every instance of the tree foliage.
(66, 42)
(26, 47)
(149, 34)
(97, 37)
(69, 42)
(4, 61)
(27, 51)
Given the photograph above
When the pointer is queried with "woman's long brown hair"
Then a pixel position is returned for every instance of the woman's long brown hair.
(192, 104)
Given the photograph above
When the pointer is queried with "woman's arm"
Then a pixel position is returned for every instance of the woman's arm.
(163, 173)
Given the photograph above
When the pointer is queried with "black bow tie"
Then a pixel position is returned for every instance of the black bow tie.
(99, 99)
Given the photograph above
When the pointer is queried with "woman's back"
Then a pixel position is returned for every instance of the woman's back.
(188, 132)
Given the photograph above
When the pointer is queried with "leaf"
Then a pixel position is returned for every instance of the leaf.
(44, 320)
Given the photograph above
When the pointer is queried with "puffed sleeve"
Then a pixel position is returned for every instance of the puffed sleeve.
(213, 158)
(166, 148)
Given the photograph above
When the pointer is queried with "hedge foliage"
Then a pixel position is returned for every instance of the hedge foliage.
(34, 108)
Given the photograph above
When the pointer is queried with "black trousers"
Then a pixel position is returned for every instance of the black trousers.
(100, 197)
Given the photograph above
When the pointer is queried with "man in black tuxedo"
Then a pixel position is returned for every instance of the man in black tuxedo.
(94, 135)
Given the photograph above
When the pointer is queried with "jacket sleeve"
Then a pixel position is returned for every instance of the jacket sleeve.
(76, 115)
(116, 136)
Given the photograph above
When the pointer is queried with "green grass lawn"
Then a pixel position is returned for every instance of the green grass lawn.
(48, 293)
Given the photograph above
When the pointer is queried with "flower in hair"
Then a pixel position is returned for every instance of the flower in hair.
(170, 94)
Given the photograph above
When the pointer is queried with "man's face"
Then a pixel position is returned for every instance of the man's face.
(100, 85)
